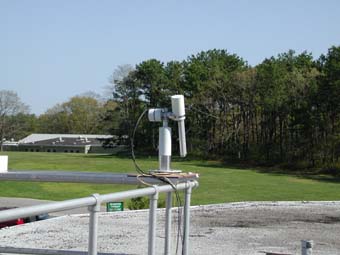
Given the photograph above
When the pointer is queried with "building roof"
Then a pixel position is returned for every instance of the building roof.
(33, 138)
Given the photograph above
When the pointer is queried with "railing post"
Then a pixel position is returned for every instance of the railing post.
(167, 245)
(306, 247)
(152, 222)
(93, 225)
(186, 222)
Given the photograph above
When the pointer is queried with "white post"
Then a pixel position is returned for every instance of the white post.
(93, 226)
(306, 247)
(152, 222)
(3, 164)
(167, 246)
(164, 147)
(186, 222)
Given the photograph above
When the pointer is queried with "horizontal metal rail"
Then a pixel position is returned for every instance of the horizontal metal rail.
(87, 177)
(49, 251)
(12, 214)
(93, 203)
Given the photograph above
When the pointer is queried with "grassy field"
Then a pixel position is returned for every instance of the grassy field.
(218, 183)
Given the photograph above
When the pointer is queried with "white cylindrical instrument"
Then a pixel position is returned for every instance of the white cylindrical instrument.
(178, 110)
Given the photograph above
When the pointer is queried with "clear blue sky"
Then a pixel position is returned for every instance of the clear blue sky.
(52, 50)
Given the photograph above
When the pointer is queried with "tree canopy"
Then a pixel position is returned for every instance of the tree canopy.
(10, 107)
(285, 110)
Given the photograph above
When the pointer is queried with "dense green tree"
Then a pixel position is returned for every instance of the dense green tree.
(328, 104)
(175, 83)
(207, 76)
(22, 125)
(284, 110)
(79, 115)
(285, 85)
(54, 121)
(152, 80)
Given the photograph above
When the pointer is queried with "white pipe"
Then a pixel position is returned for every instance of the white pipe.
(36, 251)
(80, 177)
(186, 228)
(152, 222)
(164, 141)
(93, 226)
(23, 212)
(182, 138)
(168, 215)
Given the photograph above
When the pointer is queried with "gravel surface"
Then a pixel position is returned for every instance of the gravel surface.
(236, 228)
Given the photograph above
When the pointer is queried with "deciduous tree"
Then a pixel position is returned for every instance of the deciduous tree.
(10, 105)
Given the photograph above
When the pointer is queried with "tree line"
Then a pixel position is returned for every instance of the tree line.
(284, 110)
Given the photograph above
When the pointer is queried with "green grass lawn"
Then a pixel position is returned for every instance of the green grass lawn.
(218, 183)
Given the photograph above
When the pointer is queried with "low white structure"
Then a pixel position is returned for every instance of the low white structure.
(33, 138)
(72, 143)
(3, 164)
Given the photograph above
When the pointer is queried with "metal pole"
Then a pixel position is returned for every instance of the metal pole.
(34, 251)
(186, 222)
(83, 177)
(306, 247)
(164, 152)
(86, 201)
(167, 245)
(152, 222)
(93, 225)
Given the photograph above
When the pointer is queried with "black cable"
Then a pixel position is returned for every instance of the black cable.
(179, 212)
(138, 169)
(179, 216)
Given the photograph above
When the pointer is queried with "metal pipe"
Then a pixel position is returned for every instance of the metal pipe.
(35, 251)
(182, 139)
(145, 192)
(167, 245)
(22, 212)
(94, 202)
(83, 177)
(152, 222)
(93, 225)
(87, 201)
(186, 222)
(164, 142)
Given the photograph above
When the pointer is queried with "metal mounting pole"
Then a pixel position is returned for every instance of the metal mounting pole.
(167, 245)
(93, 225)
(186, 220)
(152, 222)
(164, 147)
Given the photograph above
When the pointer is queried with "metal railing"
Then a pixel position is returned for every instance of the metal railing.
(93, 203)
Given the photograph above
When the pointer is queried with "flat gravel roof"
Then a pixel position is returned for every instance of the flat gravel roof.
(233, 228)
